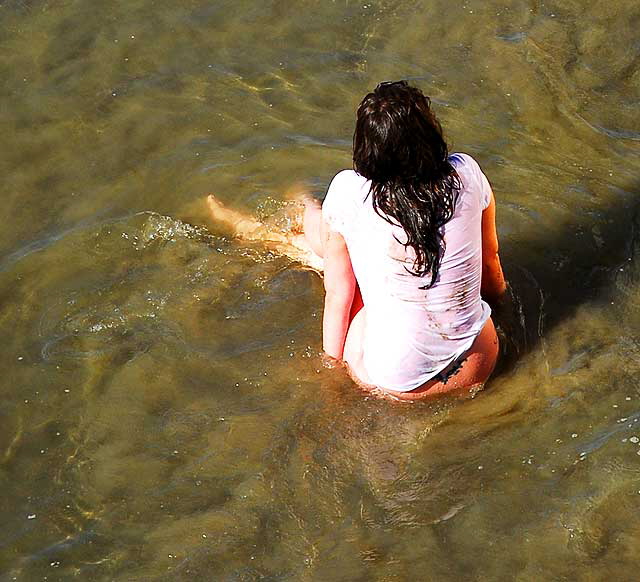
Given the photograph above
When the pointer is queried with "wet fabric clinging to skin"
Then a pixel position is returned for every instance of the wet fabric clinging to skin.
(412, 334)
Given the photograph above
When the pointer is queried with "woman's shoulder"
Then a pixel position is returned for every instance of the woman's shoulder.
(346, 185)
(347, 178)
(461, 160)
(342, 199)
(471, 175)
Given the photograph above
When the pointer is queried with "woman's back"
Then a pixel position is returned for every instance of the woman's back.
(413, 333)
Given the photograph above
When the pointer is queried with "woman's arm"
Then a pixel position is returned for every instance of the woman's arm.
(340, 285)
(493, 284)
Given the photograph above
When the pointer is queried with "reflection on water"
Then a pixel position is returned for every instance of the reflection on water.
(165, 413)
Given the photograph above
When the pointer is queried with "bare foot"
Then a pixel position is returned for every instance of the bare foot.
(215, 206)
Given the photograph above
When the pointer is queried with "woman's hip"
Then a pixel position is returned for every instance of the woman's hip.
(471, 369)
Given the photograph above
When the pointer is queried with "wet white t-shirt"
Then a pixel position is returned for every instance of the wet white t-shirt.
(412, 334)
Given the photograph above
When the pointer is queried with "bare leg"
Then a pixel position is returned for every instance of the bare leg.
(242, 225)
(297, 246)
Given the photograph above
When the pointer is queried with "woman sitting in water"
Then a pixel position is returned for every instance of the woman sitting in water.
(409, 244)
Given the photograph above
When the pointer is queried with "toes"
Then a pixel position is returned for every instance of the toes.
(215, 206)
(212, 200)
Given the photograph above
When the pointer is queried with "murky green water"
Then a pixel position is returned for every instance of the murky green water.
(164, 413)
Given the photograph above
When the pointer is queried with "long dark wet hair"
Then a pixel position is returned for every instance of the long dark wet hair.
(398, 145)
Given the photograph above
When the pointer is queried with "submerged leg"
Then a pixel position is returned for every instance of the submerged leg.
(296, 245)
(242, 225)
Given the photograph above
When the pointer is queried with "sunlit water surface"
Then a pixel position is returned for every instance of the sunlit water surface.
(164, 412)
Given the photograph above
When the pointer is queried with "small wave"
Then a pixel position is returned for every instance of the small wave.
(628, 134)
